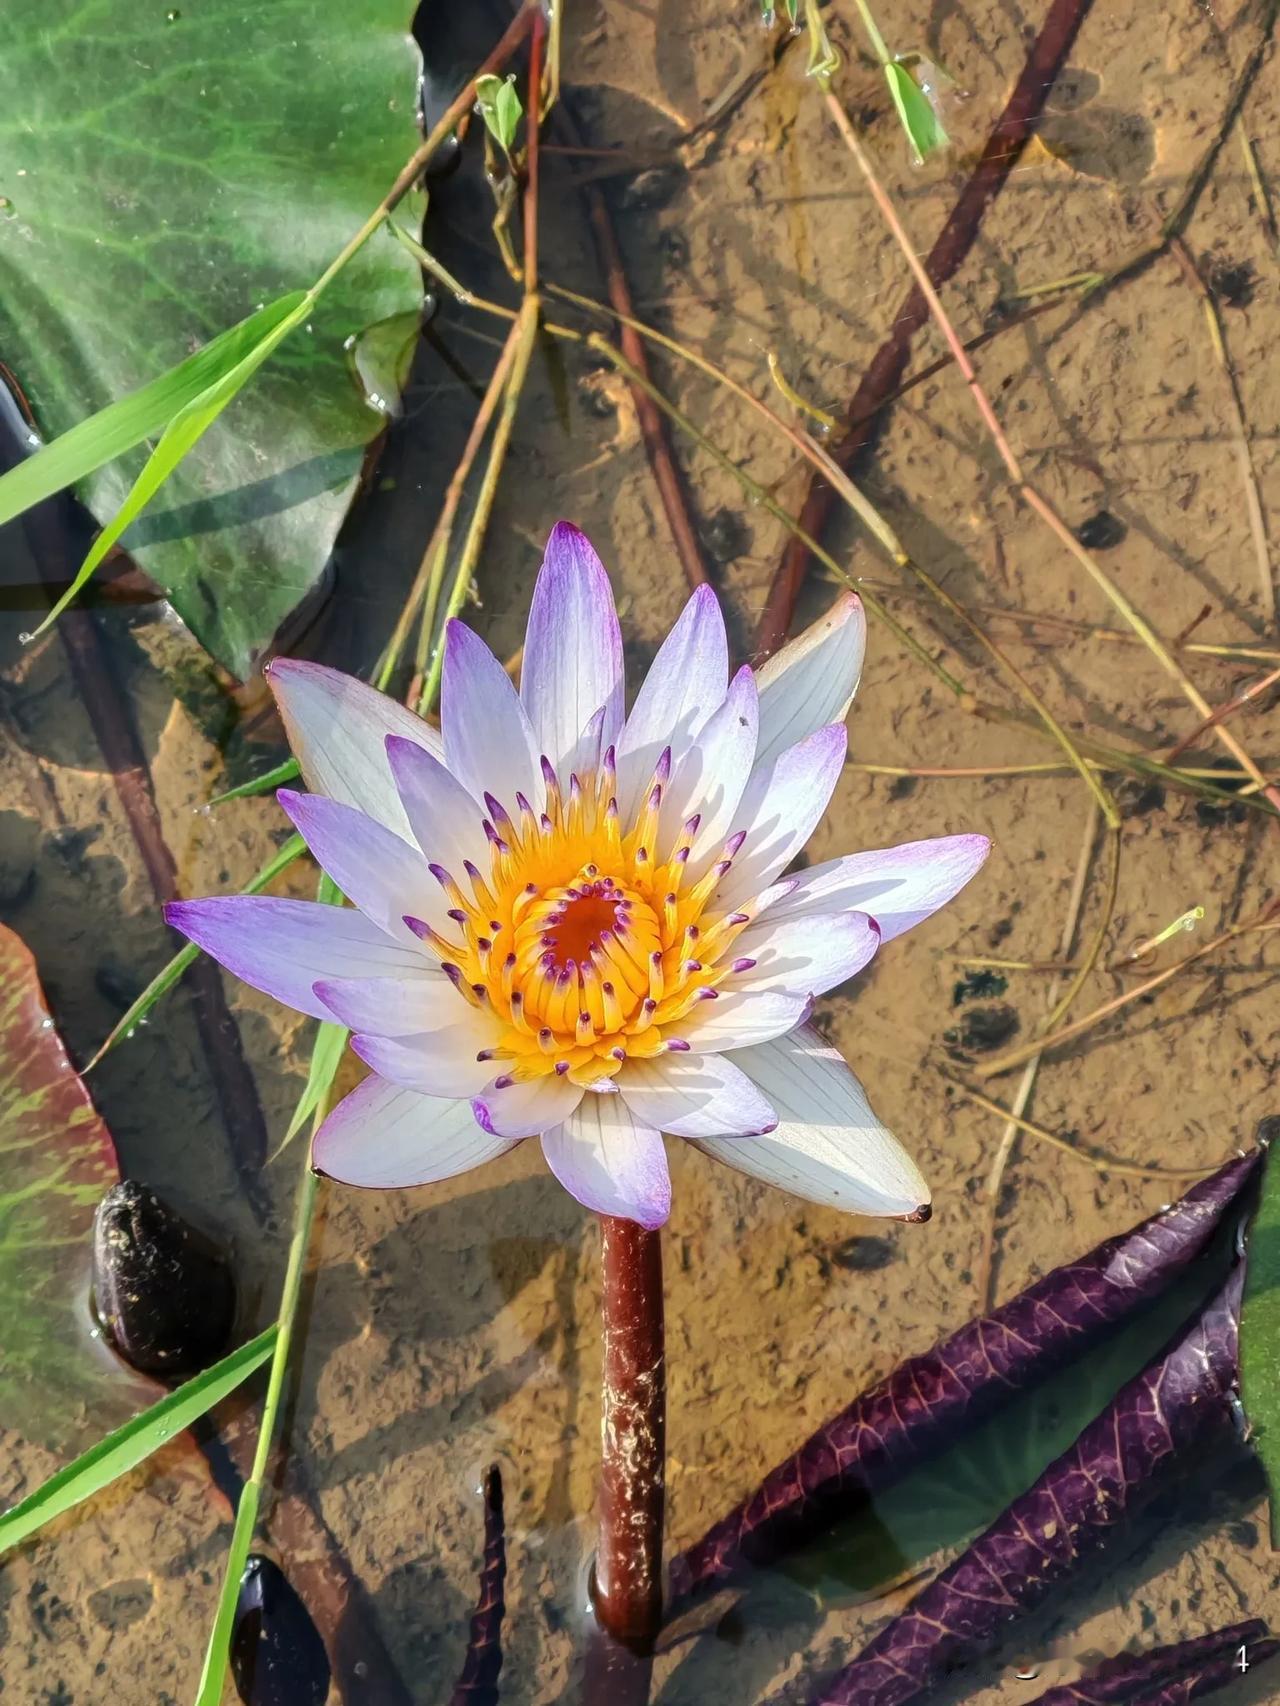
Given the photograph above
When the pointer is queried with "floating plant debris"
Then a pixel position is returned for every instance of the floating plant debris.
(277, 1656)
(929, 1400)
(1119, 1461)
(478, 1683)
(162, 1290)
(1167, 1676)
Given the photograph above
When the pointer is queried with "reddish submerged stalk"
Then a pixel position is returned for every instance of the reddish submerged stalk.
(628, 1570)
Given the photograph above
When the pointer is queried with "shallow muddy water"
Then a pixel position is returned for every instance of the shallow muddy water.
(455, 1326)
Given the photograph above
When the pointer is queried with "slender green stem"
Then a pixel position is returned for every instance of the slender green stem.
(215, 1660)
(869, 25)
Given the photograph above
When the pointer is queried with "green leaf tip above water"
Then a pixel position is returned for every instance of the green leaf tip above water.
(500, 109)
(924, 128)
(159, 180)
(1260, 1326)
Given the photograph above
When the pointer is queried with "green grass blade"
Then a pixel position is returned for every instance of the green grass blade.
(182, 434)
(131, 1444)
(165, 979)
(140, 415)
(326, 1051)
(213, 1675)
(922, 125)
(267, 783)
(1260, 1334)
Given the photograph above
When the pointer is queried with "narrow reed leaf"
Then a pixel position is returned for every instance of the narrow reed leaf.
(132, 1443)
(182, 434)
(280, 777)
(326, 1052)
(140, 415)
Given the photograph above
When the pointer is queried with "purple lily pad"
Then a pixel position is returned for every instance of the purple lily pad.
(930, 1400)
(1120, 1460)
(1168, 1676)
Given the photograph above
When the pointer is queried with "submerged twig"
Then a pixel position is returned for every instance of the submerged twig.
(1001, 153)
(1015, 1057)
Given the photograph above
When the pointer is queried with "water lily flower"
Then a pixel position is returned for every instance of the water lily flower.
(574, 924)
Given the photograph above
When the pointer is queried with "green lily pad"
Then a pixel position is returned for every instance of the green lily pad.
(58, 1382)
(165, 170)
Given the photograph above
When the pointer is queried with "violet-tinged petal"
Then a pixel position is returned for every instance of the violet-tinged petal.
(688, 1095)
(572, 651)
(444, 820)
(477, 1683)
(808, 955)
(899, 886)
(828, 1146)
(489, 743)
(379, 873)
(782, 804)
(392, 1006)
(1170, 1411)
(811, 681)
(434, 1063)
(284, 946)
(741, 1018)
(611, 1163)
(710, 778)
(338, 727)
(685, 684)
(525, 1107)
(387, 1138)
(1191, 1669)
(930, 1400)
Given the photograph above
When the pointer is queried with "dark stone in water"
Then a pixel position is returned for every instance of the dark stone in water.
(984, 1028)
(162, 1290)
(864, 1254)
(277, 1656)
(1101, 532)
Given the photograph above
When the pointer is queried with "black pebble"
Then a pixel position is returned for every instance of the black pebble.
(1101, 532)
(1233, 282)
(726, 536)
(163, 1291)
(983, 985)
(277, 1656)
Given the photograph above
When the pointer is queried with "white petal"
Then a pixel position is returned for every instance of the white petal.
(283, 946)
(393, 1006)
(488, 741)
(710, 779)
(435, 1063)
(527, 1106)
(572, 651)
(387, 1138)
(337, 727)
(829, 1147)
(739, 1018)
(811, 681)
(898, 886)
(690, 1095)
(444, 819)
(685, 684)
(610, 1163)
(377, 871)
(780, 809)
(805, 956)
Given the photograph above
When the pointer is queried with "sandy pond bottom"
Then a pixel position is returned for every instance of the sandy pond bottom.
(451, 1327)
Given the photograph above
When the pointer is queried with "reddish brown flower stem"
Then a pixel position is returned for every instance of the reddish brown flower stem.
(628, 1570)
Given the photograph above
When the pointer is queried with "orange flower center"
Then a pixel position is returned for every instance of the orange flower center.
(586, 946)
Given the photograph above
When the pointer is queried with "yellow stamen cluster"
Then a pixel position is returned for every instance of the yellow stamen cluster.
(587, 946)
